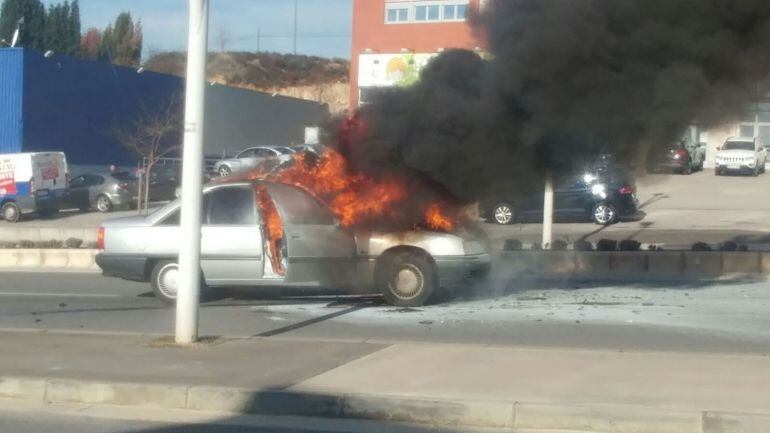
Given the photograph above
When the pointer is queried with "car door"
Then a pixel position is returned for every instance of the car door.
(319, 252)
(77, 194)
(570, 197)
(231, 237)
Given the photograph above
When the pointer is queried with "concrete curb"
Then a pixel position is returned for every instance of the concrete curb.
(515, 415)
(84, 259)
(702, 265)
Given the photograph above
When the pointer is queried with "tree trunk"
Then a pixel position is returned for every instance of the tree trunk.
(140, 190)
(147, 186)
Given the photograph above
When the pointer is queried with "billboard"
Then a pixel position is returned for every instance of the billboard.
(385, 70)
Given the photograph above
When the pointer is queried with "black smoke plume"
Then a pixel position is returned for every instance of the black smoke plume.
(563, 81)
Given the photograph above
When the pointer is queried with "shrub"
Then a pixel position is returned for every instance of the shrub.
(743, 248)
(25, 243)
(536, 247)
(512, 245)
(559, 245)
(607, 245)
(73, 243)
(629, 245)
(583, 245)
(53, 243)
(701, 246)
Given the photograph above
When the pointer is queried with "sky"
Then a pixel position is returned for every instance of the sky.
(324, 26)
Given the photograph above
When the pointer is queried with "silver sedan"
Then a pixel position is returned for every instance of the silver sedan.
(407, 268)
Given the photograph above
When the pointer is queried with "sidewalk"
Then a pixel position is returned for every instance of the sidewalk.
(522, 388)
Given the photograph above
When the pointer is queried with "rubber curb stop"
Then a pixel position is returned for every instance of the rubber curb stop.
(432, 411)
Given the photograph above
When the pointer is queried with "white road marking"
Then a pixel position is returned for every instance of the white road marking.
(51, 295)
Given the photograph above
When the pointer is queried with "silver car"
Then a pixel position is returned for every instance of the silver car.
(250, 158)
(407, 267)
(104, 191)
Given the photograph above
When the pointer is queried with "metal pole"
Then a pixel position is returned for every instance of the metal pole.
(295, 25)
(548, 211)
(188, 295)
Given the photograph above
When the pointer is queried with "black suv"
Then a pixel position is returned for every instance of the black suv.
(604, 198)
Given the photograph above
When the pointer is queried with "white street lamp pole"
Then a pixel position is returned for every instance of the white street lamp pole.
(548, 211)
(188, 295)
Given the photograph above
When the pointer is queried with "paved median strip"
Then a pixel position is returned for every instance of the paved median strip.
(433, 411)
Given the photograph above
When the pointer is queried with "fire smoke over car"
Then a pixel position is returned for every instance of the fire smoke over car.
(562, 82)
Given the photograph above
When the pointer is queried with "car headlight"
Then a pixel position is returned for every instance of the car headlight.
(473, 247)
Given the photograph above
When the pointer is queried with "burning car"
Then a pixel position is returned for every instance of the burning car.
(264, 233)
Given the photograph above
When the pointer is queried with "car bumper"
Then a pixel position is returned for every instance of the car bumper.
(123, 266)
(735, 168)
(669, 165)
(454, 271)
(122, 199)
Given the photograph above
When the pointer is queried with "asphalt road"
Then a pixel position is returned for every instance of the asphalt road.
(16, 417)
(726, 317)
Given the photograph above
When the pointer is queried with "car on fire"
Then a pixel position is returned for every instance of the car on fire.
(604, 197)
(741, 155)
(408, 268)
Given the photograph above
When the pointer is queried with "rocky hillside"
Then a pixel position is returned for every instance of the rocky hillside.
(308, 77)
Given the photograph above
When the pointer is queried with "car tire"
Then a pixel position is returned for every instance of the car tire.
(503, 214)
(11, 212)
(717, 172)
(762, 168)
(224, 171)
(687, 170)
(604, 214)
(406, 279)
(104, 204)
(755, 172)
(165, 276)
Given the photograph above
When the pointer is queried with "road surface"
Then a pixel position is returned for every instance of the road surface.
(726, 317)
(19, 417)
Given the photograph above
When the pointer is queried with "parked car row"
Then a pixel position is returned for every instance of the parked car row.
(255, 156)
(684, 156)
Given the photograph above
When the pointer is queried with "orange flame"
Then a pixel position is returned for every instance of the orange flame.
(436, 219)
(273, 226)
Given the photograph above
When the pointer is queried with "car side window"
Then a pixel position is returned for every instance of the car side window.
(78, 182)
(264, 153)
(231, 206)
(248, 153)
(299, 207)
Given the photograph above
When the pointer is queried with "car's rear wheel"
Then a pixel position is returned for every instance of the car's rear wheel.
(688, 169)
(604, 214)
(11, 212)
(103, 203)
(503, 213)
(225, 171)
(406, 279)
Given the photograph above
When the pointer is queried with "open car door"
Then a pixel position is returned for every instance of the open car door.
(319, 251)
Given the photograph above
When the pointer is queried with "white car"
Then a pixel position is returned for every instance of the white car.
(252, 157)
(741, 155)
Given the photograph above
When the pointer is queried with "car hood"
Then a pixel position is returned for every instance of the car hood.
(132, 221)
(735, 153)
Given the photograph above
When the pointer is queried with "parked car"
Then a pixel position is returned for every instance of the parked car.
(741, 155)
(250, 157)
(603, 198)
(406, 267)
(684, 156)
(164, 180)
(104, 191)
(32, 183)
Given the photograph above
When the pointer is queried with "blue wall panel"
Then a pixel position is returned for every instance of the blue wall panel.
(11, 76)
(76, 106)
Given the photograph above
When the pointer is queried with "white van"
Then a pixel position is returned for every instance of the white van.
(32, 183)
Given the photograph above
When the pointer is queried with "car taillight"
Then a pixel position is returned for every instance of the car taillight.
(627, 190)
(122, 186)
(100, 239)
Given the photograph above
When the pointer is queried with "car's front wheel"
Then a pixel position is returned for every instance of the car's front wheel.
(604, 214)
(11, 212)
(502, 213)
(406, 279)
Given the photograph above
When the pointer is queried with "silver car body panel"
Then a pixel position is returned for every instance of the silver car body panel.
(241, 163)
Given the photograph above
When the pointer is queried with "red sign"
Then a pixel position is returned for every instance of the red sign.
(7, 183)
(50, 172)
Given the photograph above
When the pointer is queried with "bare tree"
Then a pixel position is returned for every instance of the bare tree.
(155, 133)
(223, 37)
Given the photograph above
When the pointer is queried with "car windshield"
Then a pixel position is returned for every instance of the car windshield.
(738, 145)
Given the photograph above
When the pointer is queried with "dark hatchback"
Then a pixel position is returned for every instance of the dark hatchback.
(604, 198)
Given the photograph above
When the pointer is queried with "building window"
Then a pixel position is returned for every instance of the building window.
(756, 123)
(426, 11)
(396, 14)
